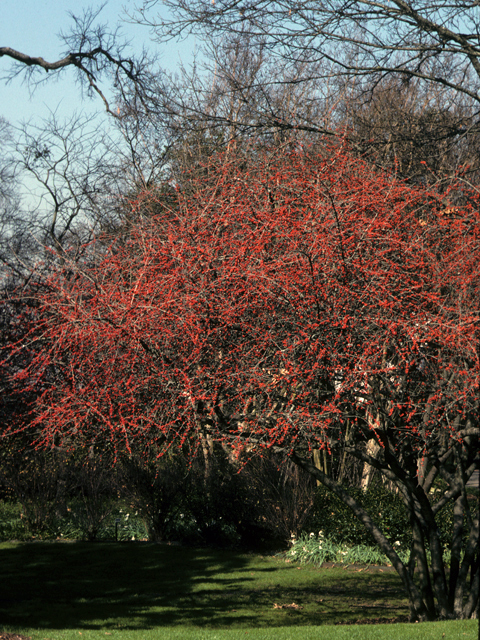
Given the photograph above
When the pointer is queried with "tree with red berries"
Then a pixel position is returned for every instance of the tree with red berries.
(294, 301)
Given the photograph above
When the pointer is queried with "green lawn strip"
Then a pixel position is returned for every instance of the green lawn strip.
(136, 590)
(443, 630)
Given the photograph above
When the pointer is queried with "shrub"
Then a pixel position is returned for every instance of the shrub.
(339, 524)
(92, 488)
(313, 549)
(155, 488)
(280, 496)
(12, 526)
(215, 502)
(332, 516)
(37, 481)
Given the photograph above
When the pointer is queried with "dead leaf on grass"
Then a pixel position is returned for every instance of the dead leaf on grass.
(287, 606)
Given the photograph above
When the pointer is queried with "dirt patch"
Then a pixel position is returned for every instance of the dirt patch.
(13, 636)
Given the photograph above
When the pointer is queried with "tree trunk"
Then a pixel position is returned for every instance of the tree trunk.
(418, 609)
(321, 461)
(372, 450)
(458, 510)
(418, 557)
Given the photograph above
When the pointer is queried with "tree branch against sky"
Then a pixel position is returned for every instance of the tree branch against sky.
(98, 53)
(435, 41)
(322, 56)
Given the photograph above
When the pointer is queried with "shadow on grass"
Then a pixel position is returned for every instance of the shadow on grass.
(141, 586)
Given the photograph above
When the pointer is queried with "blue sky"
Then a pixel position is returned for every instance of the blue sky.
(31, 26)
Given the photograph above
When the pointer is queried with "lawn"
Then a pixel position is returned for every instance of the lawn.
(137, 591)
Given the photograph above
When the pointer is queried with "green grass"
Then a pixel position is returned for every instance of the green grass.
(62, 591)
(456, 630)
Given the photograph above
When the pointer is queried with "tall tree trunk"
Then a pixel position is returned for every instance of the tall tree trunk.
(458, 514)
(372, 450)
(321, 461)
(418, 557)
(418, 609)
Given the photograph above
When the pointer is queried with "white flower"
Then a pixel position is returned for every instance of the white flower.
(397, 543)
(312, 535)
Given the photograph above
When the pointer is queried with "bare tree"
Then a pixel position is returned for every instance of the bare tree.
(338, 55)
(68, 173)
(435, 41)
(95, 52)
(15, 240)
(235, 94)
(423, 132)
(6, 173)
